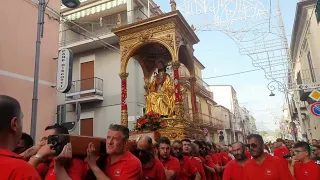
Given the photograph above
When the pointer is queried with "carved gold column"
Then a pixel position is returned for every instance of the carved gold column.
(194, 99)
(179, 109)
(124, 106)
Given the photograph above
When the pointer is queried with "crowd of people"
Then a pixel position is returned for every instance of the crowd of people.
(146, 158)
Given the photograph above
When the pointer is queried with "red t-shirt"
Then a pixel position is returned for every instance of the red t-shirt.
(127, 167)
(154, 170)
(307, 171)
(13, 167)
(233, 171)
(42, 169)
(76, 171)
(225, 158)
(217, 161)
(271, 168)
(172, 164)
(280, 152)
(209, 162)
(248, 155)
(199, 166)
(187, 169)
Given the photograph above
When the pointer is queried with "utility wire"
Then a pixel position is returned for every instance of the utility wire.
(232, 74)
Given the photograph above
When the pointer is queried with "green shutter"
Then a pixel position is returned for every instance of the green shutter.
(318, 11)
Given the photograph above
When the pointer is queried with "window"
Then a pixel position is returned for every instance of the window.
(312, 73)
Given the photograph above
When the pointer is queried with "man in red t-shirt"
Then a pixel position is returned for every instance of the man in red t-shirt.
(171, 164)
(192, 151)
(234, 169)
(302, 167)
(263, 166)
(208, 164)
(119, 164)
(12, 166)
(187, 169)
(152, 168)
(281, 150)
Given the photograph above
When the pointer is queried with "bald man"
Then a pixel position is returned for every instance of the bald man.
(234, 169)
(152, 167)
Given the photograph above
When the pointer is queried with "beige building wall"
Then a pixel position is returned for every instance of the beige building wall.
(17, 57)
(307, 39)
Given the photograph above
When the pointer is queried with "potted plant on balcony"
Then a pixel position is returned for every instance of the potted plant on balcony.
(149, 124)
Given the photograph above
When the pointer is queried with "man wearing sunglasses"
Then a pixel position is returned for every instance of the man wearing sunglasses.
(263, 165)
(152, 167)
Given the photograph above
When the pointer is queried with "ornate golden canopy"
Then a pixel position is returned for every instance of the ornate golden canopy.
(167, 37)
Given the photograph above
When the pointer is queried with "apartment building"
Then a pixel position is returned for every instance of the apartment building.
(17, 58)
(226, 96)
(94, 98)
(305, 55)
(226, 136)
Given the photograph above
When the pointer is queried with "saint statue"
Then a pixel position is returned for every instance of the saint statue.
(160, 97)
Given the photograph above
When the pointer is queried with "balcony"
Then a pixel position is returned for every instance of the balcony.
(201, 86)
(305, 77)
(210, 122)
(86, 90)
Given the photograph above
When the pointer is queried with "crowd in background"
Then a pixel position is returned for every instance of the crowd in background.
(146, 158)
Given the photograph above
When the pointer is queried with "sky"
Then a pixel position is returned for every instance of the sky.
(220, 55)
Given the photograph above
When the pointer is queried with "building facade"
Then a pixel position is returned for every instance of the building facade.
(17, 59)
(96, 67)
(305, 55)
(226, 136)
(226, 96)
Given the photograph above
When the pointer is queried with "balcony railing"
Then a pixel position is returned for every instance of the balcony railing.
(204, 120)
(91, 88)
(200, 83)
(92, 29)
(307, 76)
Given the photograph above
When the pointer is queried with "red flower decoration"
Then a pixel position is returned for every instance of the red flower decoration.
(150, 121)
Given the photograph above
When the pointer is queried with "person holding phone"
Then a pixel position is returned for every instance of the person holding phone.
(60, 165)
(301, 166)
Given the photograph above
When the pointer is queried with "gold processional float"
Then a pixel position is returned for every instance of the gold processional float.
(156, 42)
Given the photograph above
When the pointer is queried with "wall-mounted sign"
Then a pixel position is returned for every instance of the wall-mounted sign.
(64, 70)
(315, 109)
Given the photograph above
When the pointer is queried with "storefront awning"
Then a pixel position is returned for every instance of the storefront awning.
(96, 9)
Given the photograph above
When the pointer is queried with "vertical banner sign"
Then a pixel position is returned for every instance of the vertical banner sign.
(64, 70)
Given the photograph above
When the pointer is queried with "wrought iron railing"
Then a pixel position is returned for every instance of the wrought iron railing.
(204, 119)
(200, 83)
(85, 88)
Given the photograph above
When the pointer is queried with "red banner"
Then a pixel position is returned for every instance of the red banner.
(124, 94)
(177, 85)
(195, 101)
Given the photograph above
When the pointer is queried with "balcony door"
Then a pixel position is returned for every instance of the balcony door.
(86, 127)
(87, 78)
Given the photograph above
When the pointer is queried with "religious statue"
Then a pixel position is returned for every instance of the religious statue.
(160, 97)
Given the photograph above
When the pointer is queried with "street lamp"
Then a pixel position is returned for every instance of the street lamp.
(41, 12)
(272, 94)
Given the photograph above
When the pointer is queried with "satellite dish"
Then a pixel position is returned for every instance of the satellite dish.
(70, 125)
